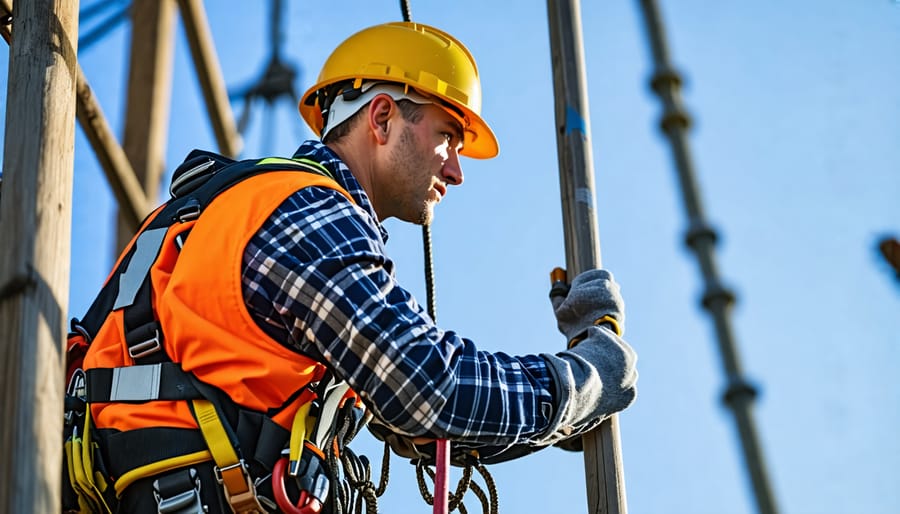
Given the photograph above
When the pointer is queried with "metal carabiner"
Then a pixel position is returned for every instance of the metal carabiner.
(306, 504)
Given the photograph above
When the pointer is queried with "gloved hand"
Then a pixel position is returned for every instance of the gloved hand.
(593, 299)
(401, 445)
(596, 377)
(419, 448)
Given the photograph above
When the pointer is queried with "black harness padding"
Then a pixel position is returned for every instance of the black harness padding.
(125, 451)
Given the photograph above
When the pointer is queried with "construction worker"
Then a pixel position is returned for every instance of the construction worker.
(284, 284)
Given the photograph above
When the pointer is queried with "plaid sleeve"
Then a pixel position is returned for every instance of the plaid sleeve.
(316, 277)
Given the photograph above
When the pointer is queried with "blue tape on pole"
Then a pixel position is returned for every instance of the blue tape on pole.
(586, 196)
(574, 122)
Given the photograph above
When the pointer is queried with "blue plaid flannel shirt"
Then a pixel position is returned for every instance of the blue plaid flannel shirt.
(316, 273)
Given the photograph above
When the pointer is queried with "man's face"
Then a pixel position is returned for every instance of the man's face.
(424, 162)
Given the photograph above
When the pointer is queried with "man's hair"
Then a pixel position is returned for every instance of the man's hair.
(411, 112)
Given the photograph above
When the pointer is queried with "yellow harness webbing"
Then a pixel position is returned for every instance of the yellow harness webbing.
(230, 470)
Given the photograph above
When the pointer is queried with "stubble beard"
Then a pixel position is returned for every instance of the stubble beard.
(418, 208)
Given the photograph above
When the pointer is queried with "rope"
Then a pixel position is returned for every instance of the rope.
(492, 488)
(429, 272)
(357, 489)
(354, 466)
(485, 506)
(420, 479)
(385, 471)
(490, 502)
(404, 8)
(334, 471)
(455, 498)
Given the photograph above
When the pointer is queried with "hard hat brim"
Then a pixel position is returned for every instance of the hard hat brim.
(479, 140)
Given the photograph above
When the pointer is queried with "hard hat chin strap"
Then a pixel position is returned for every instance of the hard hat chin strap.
(349, 101)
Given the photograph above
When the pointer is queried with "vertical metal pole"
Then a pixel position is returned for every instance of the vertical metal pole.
(35, 228)
(604, 473)
(701, 238)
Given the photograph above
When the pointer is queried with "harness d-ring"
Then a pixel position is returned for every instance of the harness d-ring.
(306, 504)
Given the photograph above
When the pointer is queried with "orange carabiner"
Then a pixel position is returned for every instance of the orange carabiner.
(306, 504)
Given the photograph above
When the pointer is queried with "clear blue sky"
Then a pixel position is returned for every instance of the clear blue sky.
(796, 146)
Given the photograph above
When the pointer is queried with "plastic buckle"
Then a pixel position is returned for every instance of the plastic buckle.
(79, 328)
(76, 396)
(185, 502)
(242, 502)
(145, 348)
(190, 211)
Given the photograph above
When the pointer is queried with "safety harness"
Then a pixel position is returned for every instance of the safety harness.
(285, 457)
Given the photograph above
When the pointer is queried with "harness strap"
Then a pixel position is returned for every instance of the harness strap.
(79, 451)
(231, 471)
(135, 384)
(143, 334)
(155, 468)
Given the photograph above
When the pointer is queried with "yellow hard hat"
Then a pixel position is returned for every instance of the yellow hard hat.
(419, 56)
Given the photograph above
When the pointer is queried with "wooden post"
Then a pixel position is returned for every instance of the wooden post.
(149, 93)
(209, 74)
(35, 227)
(133, 205)
(604, 475)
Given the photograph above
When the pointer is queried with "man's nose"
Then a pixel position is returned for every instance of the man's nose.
(452, 172)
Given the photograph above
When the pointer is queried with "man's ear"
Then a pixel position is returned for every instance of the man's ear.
(381, 109)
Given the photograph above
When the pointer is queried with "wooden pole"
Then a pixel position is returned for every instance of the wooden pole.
(149, 93)
(133, 204)
(604, 475)
(210, 76)
(35, 227)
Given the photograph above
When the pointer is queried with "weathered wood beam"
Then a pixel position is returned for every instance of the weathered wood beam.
(133, 203)
(35, 227)
(149, 94)
(209, 73)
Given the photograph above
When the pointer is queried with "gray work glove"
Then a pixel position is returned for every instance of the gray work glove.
(596, 377)
(593, 298)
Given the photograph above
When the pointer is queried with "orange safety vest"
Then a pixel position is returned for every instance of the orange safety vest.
(205, 322)
(199, 321)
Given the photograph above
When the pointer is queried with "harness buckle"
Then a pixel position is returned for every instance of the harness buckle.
(76, 396)
(145, 348)
(179, 493)
(242, 499)
(189, 211)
